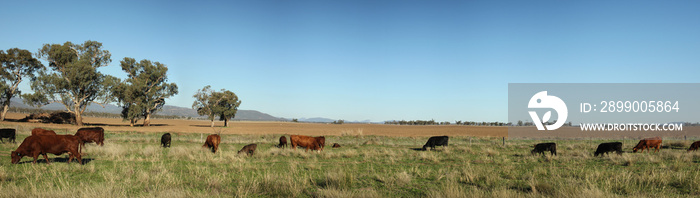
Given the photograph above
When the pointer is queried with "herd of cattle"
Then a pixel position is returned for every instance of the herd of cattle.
(42, 142)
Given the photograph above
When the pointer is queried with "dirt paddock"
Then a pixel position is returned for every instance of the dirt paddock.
(250, 127)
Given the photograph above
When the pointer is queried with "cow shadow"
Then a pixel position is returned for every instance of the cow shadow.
(41, 160)
(429, 149)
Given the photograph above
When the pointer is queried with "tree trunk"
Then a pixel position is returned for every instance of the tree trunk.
(4, 110)
(132, 122)
(225, 122)
(147, 121)
(212, 123)
(78, 118)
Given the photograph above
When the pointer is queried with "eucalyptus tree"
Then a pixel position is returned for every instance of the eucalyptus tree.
(144, 90)
(73, 79)
(213, 104)
(16, 64)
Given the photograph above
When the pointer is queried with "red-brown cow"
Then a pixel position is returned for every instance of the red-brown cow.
(40, 131)
(88, 135)
(648, 143)
(36, 145)
(694, 146)
(321, 141)
(304, 141)
(212, 142)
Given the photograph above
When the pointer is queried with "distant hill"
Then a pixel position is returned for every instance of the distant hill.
(316, 120)
(247, 115)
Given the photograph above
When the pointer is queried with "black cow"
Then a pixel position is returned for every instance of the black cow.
(9, 134)
(542, 147)
(436, 141)
(604, 148)
(165, 140)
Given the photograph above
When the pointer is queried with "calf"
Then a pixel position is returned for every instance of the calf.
(212, 142)
(248, 149)
(36, 145)
(604, 148)
(694, 146)
(88, 135)
(304, 141)
(9, 134)
(436, 141)
(648, 143)
(40, 131)
(336, 145)
(542, 147)
(165, 140)
(283, 142)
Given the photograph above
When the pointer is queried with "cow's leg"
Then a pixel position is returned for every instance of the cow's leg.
(47, 158)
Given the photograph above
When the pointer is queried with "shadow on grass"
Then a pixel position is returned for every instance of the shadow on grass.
(41, 160)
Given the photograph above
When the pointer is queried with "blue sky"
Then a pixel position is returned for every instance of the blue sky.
(376, 60)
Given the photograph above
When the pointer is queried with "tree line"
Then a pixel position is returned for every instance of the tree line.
(72, 79)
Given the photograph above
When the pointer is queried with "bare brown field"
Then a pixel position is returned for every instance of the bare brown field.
(246, 127)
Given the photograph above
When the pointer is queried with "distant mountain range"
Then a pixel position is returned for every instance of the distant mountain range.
(247, 115)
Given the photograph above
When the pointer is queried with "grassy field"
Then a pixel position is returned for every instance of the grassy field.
(131, 164)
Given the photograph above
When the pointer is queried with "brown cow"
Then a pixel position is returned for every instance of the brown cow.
(648, 143)
(694, 146)
(304, 141)
(336, 145)
(36, 145)
(212, 142)
(248, 149)
(40, 131)
(321, 141)
(88, 135)
(283, 142)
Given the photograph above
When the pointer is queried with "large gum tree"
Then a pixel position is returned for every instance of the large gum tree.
(73, 79)
(144, 90)
(16, 64)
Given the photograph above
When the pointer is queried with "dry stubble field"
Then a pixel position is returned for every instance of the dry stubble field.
(259, 128)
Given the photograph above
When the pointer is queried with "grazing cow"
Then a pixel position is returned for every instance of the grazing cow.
(436, 141)
(648, 143)
(336, 145)
(212, 142)
(542, 147)
(321, 140)
(604, 148)
(36, 145)
(165, 140)
(40, 131)
(283, 142)
(88, 135)
(9, 134)
(304, 141)
(248, 149)
(694, 146)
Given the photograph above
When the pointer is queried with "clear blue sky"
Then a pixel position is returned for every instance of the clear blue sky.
(376, 60)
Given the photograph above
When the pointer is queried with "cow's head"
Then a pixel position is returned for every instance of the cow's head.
(16, 156)
(634, 149)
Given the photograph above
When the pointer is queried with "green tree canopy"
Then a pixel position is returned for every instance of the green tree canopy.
(213, 104)
(16, 63)
(145, 89)
(74, 80)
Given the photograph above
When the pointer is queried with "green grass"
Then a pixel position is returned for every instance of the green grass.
(133, 165)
